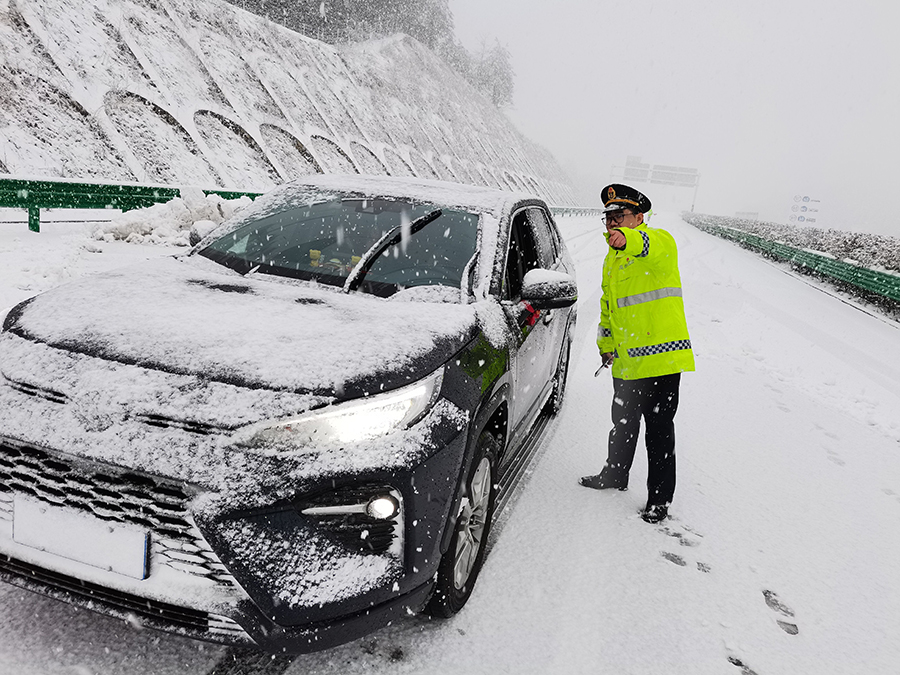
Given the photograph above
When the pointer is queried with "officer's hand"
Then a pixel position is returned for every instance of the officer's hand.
(608, 358)
(617, 239)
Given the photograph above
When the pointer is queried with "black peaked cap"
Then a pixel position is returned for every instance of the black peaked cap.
(621, 196)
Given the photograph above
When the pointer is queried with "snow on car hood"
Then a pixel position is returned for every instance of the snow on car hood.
(152, 368)
(180, 316)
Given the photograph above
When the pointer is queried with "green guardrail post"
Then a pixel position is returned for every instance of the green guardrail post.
(34, 219)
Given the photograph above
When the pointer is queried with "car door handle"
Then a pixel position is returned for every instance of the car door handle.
(548, 316)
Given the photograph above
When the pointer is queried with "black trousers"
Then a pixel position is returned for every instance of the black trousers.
(656, 400)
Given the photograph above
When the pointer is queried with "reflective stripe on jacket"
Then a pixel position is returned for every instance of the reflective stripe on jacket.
(641, 311)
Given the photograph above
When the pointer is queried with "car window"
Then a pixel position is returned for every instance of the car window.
(545, 235)
(325, 241)
(521, 257)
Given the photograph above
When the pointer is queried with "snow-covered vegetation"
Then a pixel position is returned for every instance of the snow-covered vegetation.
(875, 251)
(200, 92)
(430, 22)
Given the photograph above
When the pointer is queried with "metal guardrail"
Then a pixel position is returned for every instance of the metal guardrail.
(575, 210)
(34, 195)
(879, 283)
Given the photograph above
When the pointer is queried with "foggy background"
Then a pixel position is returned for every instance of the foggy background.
(767, 100)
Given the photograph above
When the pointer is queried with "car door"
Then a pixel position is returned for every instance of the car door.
(532, 360)
(548, 246)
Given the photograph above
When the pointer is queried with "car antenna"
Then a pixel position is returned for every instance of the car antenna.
(387, 240)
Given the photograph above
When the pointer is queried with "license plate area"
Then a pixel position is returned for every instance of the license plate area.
(115, 547)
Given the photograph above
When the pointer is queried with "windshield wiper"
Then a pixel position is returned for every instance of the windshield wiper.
(390, 238)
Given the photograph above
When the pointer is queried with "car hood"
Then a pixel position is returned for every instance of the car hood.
(183, 316)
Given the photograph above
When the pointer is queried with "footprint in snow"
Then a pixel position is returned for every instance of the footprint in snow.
(891, 493)
(745, 669)
(787, 627)
(683, 539)
(782, 407)
(825, 431)
(688, 537)
(836, 458)
(776, 605)
(681, 562)
(674, 558)
(691, 530)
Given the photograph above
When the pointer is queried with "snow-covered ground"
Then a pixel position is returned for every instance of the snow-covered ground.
(787, 508)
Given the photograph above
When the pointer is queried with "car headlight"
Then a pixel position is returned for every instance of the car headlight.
(352, 421)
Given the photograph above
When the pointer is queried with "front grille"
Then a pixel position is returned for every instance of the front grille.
(124, 605)
(357, 531)
(6, 506)
(225, 627)
(119, 496)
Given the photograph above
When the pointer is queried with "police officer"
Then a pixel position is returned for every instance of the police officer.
(643, 335)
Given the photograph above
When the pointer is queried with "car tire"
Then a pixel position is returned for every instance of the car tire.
(560, 379)
(460, 565)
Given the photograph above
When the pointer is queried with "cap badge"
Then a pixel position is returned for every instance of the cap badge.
(610, 194)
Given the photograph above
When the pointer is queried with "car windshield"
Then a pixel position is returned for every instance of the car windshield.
(324, 241)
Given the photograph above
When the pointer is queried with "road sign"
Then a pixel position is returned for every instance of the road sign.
(805, 210)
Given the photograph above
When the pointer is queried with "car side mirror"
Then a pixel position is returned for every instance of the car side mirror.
(546, 289)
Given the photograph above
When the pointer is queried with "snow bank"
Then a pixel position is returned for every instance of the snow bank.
(170, 223)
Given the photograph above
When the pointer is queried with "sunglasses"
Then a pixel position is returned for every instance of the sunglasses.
(616, 218)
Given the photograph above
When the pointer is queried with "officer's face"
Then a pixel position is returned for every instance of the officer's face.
(623, 218)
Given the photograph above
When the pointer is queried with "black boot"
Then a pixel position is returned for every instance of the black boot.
(601, 482)
(655, 513)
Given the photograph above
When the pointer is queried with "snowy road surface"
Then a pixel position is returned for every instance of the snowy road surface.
(783, 555)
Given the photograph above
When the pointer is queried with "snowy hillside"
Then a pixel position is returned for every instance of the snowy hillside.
(199, 92)
(781, 558)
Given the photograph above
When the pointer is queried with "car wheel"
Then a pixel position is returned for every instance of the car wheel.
(460, 565)
(559, 380)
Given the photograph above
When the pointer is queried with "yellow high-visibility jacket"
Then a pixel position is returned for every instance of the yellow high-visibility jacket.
(642, 312)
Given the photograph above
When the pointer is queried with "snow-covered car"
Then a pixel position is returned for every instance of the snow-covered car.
(296, 432)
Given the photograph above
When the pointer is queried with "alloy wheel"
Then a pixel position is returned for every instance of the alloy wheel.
(472, 522)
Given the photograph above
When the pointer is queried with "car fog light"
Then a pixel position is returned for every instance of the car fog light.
(382, 507)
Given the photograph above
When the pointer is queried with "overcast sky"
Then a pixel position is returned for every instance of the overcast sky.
(767, 99)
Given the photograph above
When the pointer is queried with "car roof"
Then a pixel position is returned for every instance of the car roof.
(465, 197)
